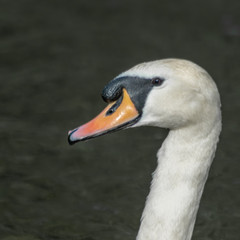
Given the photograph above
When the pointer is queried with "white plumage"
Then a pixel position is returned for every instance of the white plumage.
(188, 104)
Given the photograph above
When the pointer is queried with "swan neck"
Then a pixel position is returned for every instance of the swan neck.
(178, 182)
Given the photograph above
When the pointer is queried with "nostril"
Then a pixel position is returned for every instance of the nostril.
(111, 110)
(114, 107)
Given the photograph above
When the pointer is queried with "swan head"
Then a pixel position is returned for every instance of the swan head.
(169, 93)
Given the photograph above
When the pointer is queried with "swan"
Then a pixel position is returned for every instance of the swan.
(178, 95)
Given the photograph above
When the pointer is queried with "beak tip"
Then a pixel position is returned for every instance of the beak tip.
(74, 137)
(70, 140)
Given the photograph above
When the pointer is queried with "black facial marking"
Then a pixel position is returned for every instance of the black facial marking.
(138, 89)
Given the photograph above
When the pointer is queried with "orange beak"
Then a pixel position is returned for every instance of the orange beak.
(117, 115)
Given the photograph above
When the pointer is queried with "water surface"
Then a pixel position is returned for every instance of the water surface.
(55, 58)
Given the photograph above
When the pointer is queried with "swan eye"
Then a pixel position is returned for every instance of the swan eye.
(157, 81)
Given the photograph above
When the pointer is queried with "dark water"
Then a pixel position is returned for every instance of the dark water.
(55, 57)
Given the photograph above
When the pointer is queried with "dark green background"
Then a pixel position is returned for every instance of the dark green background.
(55, 58)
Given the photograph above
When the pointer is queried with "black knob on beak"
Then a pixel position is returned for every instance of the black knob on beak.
(112, 91)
